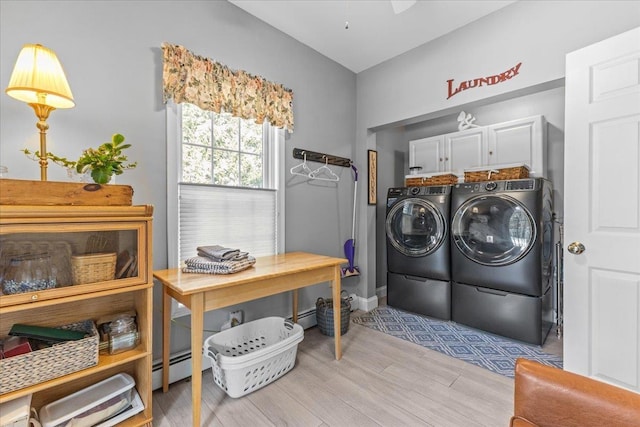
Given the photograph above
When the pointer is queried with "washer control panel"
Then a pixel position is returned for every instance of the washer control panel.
(527, 184)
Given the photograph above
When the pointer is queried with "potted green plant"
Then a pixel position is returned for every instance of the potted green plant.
(103, 162)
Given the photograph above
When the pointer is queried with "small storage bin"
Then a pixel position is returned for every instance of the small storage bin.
(52, 362)
(249, 356)
(497, 173)
(426, 180)
(324, 315)
(91, 406)
(16, 412)
(92, 268)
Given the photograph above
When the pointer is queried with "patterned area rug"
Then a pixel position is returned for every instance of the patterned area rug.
(492, 352)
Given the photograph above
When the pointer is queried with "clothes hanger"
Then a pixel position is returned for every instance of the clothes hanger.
(329, 175)
(302, 169)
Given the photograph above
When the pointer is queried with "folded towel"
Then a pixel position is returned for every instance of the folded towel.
(205, 265)
(217, 252)
(228, 256)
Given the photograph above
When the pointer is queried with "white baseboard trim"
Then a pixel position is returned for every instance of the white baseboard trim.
(180, 369)
(368, 304)
(381, 292)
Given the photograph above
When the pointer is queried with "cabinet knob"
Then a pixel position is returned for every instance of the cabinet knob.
(440, 158)
(446, 159)
(491, 153)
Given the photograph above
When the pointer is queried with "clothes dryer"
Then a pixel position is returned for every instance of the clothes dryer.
(501, 257)
(418, 258)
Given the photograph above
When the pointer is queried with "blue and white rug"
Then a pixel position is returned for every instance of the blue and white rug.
(492, 352)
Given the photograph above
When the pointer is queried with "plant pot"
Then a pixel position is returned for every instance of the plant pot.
(101, 175)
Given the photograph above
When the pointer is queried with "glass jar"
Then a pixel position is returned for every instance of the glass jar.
(122, 325)
(28, 273)
(123, 335)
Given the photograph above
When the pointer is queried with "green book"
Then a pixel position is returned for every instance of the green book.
(46, 334)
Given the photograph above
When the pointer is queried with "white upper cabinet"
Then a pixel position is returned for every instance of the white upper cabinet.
(450, 152)
(514, 142)
(427, 153)
(465, 149)
(519, 141)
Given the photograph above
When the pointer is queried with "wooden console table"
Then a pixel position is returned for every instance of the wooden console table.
(269, 276)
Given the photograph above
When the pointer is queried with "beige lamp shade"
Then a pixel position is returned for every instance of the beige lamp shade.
(38, 78)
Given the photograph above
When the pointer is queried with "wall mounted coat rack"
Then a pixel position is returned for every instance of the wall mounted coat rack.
(314, 156)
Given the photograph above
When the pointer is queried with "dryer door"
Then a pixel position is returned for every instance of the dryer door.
(415, 227)
(493, 230)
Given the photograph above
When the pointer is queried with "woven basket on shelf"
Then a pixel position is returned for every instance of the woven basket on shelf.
(499, 174)
(324, 315)
(92, 268)
(48, 363)
(423, 181)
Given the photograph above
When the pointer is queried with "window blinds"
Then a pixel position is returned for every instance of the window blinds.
(226, 216)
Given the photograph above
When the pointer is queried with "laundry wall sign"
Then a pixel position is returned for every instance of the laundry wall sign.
(482, 81)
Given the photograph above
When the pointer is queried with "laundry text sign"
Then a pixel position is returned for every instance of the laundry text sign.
(482, 81)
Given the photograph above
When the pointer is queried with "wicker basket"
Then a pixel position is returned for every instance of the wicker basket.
(324, 315)
(426, 180)
(498, 174)
(92, 268)
(48, 363)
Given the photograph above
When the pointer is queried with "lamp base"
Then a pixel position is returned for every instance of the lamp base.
(42, 112)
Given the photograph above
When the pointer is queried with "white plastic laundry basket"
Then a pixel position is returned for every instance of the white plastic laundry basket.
(249, 356)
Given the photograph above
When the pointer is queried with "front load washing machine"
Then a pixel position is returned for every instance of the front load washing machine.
(418, 259)
(501, 256)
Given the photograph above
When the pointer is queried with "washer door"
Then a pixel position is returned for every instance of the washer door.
(415, 227)
(493, 230)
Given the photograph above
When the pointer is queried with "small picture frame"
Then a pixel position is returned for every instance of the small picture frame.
(373, 177)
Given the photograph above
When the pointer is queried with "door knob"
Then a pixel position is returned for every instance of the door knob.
(576, 248)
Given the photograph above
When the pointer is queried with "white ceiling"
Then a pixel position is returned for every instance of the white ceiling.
(375, 32)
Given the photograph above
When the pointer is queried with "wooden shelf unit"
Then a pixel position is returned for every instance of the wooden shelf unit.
(125, 228)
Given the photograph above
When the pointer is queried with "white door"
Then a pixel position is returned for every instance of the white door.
(602, 211)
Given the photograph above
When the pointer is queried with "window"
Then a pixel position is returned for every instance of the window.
(223, 184)
(223, 150)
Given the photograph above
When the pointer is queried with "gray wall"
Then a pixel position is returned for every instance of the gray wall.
(111, 54)
(412, 88)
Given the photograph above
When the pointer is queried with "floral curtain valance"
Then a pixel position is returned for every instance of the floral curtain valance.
(212, 86)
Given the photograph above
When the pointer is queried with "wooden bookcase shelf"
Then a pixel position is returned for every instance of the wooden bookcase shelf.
(117, 229)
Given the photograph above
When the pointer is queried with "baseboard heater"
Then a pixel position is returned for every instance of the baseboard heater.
(180, 363)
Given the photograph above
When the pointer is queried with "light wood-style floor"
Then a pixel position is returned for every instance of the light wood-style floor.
(380, 381)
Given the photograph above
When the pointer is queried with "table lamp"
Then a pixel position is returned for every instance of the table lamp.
(38, 79)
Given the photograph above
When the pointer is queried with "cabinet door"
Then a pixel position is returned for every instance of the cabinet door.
(427, 153)
(519, 141)
(465, 149)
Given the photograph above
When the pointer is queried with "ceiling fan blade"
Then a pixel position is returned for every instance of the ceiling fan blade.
(400, 6)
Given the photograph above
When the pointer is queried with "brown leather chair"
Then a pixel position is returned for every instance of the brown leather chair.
(550, 397)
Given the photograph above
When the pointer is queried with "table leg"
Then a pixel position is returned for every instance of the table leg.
(197, 327)
(294, 295)
(166, 337)
(336, 312)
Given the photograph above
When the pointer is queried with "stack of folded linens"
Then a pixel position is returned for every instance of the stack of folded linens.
(216, 259)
